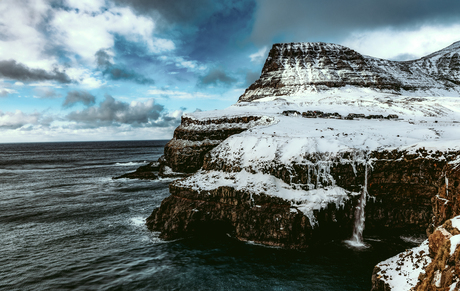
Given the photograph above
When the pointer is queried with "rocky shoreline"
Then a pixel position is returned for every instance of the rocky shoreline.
(257, 172)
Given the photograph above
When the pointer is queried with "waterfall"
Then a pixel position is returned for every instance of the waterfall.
(360, 217)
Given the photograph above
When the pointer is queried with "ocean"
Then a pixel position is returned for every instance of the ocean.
(66, 225)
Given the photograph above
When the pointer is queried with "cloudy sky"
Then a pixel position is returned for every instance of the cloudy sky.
(80, 70)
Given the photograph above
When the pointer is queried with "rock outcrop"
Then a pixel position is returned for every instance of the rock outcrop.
(184, 154)
(146, 172)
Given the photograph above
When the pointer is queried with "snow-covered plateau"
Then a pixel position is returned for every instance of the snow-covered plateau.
(241, 160)
(325, 144)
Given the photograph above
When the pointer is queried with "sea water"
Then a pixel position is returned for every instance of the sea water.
(66, 225)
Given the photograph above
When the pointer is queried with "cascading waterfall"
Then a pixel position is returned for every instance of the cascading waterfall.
(360, 217)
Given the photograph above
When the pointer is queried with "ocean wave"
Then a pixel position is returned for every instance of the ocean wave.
(137, 221)
(128, 164)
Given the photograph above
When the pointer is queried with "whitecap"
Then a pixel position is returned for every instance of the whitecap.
(137, 221)
(128, 164)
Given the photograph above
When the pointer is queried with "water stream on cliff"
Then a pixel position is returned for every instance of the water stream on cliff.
(360, 216)
(66, 225)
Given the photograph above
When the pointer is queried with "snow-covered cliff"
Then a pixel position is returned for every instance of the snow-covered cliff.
(323, 133)
(299, 68)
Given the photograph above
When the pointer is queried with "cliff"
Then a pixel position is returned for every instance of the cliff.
(296, 68)
(326, 143)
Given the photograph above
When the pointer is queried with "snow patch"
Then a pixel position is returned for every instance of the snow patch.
(401, 271)
(454, 242)
(456, 222)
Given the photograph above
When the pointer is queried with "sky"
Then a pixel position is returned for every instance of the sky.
(90, 70)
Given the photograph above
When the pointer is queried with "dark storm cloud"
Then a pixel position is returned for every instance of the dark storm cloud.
(12, 70)
(177, 11)
(116, 73)
(300, 20)
(74, 97)
(251, 77)
(217, 76)
(102, 59)
(113, 112)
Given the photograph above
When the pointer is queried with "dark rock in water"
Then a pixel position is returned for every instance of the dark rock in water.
(146, 172)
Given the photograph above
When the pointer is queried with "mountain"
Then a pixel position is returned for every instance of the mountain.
(325, 144)
(299, 68)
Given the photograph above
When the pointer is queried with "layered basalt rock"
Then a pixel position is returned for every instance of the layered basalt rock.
(184, 154)
(246, 216)
(405, 191)
(296, 68)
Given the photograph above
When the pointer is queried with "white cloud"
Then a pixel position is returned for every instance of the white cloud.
(6, 91)
(87, 78)
(86, 31)
(181, 62)
(21, 40)
(17, 119)
(32, 29)
(407, 44)
(180, 94)
(86, 5)
(260, 55)
(64, 132)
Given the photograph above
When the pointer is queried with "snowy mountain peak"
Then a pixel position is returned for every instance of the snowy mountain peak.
(299, 68)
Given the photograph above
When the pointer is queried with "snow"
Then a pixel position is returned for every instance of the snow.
(305, 201)
(307, 67)
(318, 144)
(264, 120)
(401, 271)
(456, 222)
(454, 242)
(429, 122)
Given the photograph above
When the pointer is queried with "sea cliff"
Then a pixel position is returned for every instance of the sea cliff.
(326, 143)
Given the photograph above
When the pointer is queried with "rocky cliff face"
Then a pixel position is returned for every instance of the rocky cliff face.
(296, 68)
(323, 132)
(184, 154)
(409, 193)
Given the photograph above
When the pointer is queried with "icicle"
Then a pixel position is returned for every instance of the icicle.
(360, 217)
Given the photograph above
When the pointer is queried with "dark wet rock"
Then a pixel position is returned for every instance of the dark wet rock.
(146, 172)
